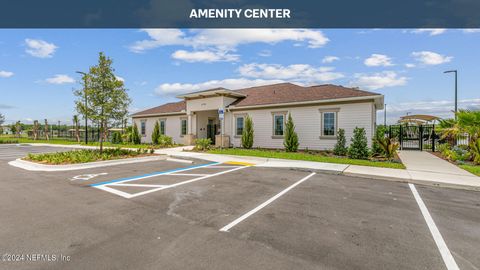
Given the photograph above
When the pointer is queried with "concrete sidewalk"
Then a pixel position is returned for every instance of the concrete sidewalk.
(422, 167)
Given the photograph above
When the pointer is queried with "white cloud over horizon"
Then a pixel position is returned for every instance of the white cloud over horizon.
(211, 44)
(431, 58)
(302, 73)
(232, 84)
(429, 31)
(60, 79)
(378, 80)
(6, 74)
(330, 59)
(378, 60)
(204, 56)
(40, 48)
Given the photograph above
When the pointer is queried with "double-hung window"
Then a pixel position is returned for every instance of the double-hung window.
(329, 123)
(239, 125)
(162, 126)
(183, 127)
(278, 124)
(143, 127)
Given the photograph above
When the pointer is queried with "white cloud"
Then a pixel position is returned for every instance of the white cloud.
(226, 39)
(471, 30)
(238, 83)
(431, 58)
(377, 60)
(330, 59)
(60, 79)
(430, 31)
(298, 72)
(440, 108)
(6, 74)
(265, 53)
(410, 65)
(204, 56)
(40, 48)
(378, 80)
(120, 78)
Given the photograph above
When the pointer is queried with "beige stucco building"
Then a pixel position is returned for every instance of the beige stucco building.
(318, 112)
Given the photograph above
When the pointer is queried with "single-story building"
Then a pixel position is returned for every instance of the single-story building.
(317, 111)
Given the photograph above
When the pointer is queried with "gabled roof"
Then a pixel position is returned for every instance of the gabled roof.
(288, 93)
(282, 93)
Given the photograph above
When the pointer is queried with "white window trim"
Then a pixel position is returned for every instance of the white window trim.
(235, 116)
(186, 125)
(284, 114)
(144, 121)
(164, 120)
(335, 129)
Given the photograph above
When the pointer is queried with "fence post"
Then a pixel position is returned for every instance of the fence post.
(420, 137)
(433, 138)
(400, 137)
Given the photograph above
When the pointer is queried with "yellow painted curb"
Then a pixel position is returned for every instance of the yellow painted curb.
(239, 163)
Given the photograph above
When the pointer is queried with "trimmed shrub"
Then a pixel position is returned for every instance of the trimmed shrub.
(247, 134)
(116, 138)
(203, 144)
(135, 134)
(291, 138)
(358, 147)
(156, 133)
(164, 140)
(340, 148)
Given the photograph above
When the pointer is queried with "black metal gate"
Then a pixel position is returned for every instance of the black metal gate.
(414, 137)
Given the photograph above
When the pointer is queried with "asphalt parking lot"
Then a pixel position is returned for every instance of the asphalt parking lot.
(169, 215)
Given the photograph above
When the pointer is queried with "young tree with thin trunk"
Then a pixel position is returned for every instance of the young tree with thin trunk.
(46, 130)
(77, 127)
(2, 120)
(35, 130)
(107, 98)
(18, 128)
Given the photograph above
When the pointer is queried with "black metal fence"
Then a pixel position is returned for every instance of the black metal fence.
(415, 137)
(69, 135)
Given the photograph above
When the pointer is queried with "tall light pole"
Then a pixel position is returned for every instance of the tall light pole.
(385, 115)
(85, 91)
(454, 71)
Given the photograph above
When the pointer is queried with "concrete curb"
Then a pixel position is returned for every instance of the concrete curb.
(32, 166)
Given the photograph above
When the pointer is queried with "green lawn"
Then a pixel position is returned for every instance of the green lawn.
(305, 156)
(471, 168)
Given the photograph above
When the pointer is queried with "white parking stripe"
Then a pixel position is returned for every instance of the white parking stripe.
(256, 209)
(441, 245)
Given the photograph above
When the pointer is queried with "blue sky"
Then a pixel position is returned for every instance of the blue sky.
(37, 67)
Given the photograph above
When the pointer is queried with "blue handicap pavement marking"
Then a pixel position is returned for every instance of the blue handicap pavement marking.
(153, 174)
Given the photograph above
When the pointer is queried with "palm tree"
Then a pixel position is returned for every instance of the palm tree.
(35, 130)
(77, 127)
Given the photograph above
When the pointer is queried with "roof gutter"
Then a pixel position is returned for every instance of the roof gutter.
(157, 114)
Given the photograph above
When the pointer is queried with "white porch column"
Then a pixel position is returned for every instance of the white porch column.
(189, 123)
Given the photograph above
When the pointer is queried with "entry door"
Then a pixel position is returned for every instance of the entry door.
(211, 130)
